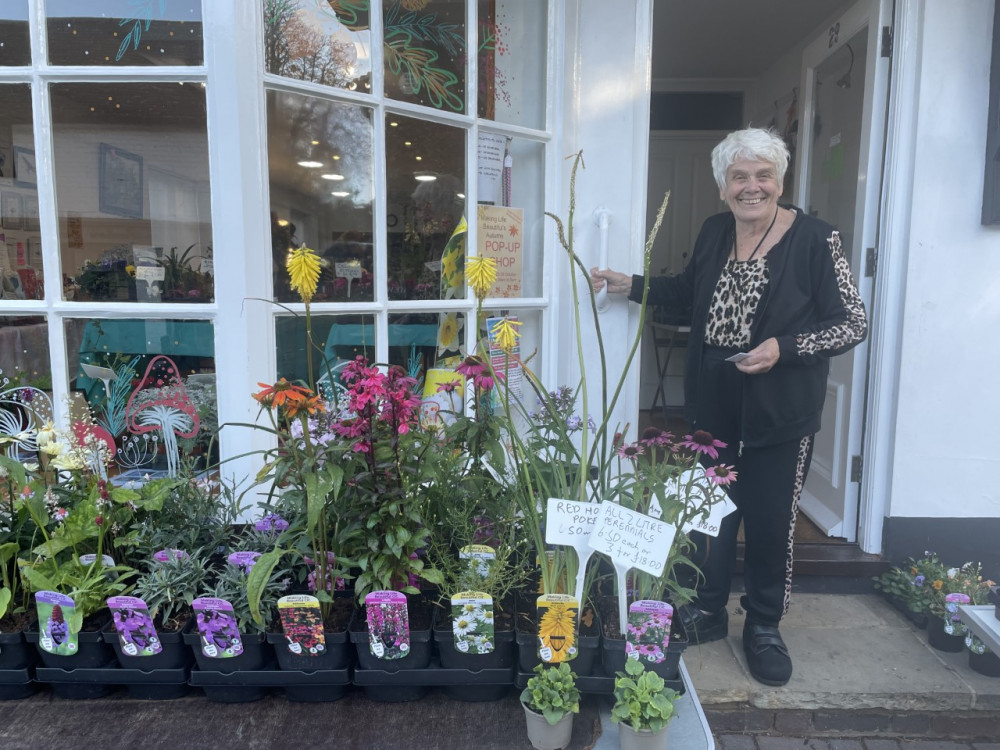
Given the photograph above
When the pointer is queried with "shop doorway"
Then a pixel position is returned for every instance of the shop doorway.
(815, 72)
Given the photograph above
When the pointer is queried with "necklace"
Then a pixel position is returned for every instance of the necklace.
(769, 228)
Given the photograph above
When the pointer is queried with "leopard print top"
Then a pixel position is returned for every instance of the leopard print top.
(734, 303)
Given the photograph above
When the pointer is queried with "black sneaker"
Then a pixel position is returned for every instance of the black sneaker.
(702, 628)
(767, 655)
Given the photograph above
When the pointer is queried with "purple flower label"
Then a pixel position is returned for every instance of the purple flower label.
(136, 634)
(165, 555)
(220, 638)
(54, 611)
(243, 560)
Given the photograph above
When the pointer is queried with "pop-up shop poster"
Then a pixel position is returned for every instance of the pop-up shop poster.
(134, 626)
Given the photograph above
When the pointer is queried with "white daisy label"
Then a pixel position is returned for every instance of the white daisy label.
(481, 557)
(632, 539)
(472, 622)
(648, 632)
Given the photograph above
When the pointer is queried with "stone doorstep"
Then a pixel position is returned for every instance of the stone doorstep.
(742, 719)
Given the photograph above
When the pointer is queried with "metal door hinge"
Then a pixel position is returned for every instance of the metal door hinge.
(886, 41)
(871, 260)
(855, 468)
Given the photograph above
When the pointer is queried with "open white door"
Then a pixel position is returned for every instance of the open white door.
(838, 179)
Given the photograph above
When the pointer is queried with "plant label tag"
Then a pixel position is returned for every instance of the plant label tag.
(388, 624)
(302, 621)
(106, 560)
(953, 624)
(165, 555)
(55, 611)
(558, 627)
(136, 633)
(472, 622)
(632, 539)
(243, 560)
(648, 633)
(481, 558)
(220, 637)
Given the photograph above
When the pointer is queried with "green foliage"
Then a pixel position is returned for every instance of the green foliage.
(923, 583)
(233, 585)
(552, 692)
(642, 699)
(169, 587)
(89, 586)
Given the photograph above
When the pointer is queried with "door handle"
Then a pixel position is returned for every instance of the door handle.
(602, 217)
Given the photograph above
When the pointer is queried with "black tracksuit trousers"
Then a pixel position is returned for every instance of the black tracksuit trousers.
(766, 493)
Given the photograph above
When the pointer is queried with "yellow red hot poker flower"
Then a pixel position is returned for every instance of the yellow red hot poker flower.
(481, 273)
(303, 266)
(506, 334)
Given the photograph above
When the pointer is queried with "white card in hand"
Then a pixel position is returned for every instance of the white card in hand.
(739, 357)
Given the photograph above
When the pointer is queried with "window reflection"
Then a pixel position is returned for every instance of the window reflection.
(14, 43)
(20, 227)
(132, 186)
(321, 173)
(424, 50)
(512, 61)
(24, 352)
(337, 340)
(426, 198)
(112, 32)
(311, 41)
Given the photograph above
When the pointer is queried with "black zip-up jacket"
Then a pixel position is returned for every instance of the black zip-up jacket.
(810, 305)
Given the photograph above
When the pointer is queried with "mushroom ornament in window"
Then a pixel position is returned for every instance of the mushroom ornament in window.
(171, 412)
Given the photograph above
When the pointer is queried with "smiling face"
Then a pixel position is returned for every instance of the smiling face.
(752, 190)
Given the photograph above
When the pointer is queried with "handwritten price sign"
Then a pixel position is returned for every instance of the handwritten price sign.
(571, 523)
(632, 539)
(699, 491)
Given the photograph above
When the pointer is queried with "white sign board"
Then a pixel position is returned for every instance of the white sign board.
(700, 491)
(632, 539)
(570, 522)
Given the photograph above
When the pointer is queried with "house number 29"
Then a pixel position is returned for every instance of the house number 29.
(834, 34)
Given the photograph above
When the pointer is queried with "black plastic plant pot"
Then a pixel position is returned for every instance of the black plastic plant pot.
(16, 684)
(175, 654)
(502, 657)
(15, 651)
(986, 664)
(613, 657)
(83, 683)
(303, 687)
(942, 641)
(337, 654)
(586, 657)
(92, 651)
(418, 657)
(256, 653)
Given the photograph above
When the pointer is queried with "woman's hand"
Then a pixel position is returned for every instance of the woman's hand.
(762, 358)
(617, 283)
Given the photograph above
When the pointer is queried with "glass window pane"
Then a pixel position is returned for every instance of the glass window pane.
(124, 32)
(311, 41)
(424, 49)
(512, 61)
(420, 341)
(337, 340)
(24, 352)
(321, 173)
(426, 197)
(181, 382)
(14, 44)
(20, 229)
(132, 186)
(511, 174)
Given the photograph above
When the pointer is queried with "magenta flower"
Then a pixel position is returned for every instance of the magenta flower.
(701, 441)
(721, 474)
(630, 451)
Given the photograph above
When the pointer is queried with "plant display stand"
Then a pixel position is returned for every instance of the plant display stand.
(981, 620)
(412, 684)
(688, 729)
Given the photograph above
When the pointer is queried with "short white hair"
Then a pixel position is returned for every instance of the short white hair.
(754, 144)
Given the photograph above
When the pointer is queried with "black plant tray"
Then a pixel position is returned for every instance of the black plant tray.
(156, 684)
(256, 653)
(597, 684)
(17, 683)
(585, 662)
(433, 675)
(613, 657)
(15, 652)
(92, 651)
(337, 656)
(321, 685)
(81, 683)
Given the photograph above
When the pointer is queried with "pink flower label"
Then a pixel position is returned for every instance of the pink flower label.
(648, 630)
(388, 624)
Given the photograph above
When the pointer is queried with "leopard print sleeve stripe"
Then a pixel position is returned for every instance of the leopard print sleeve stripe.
(850, 331)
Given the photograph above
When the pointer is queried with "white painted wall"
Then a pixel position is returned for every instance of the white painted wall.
(948, 425)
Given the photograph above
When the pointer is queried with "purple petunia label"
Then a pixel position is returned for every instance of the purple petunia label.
(388, 624)
(220, 637)
(243, 560)
(134, 626)
(54, 633)
(648, 632)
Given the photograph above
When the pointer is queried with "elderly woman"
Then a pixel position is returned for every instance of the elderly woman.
(770, 285)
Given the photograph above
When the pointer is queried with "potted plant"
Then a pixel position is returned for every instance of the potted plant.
(550, 701)
(909, 587)
(643, 707)
(952, 587)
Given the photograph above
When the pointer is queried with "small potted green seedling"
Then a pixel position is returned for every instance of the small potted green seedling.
(550, 700)
(643, 707)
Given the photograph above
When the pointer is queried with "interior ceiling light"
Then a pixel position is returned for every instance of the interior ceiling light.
(336, 157)
(461, 195)
(340, 193)
(425, 177)
(310, 164)
(393, 124)
(337, 177)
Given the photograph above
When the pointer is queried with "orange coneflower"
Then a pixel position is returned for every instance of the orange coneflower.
(281, 393)
(310, 404)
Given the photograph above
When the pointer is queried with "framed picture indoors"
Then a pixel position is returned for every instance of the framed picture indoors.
(24, 167)
(31, 222)
(121, 182)
(11, 210)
